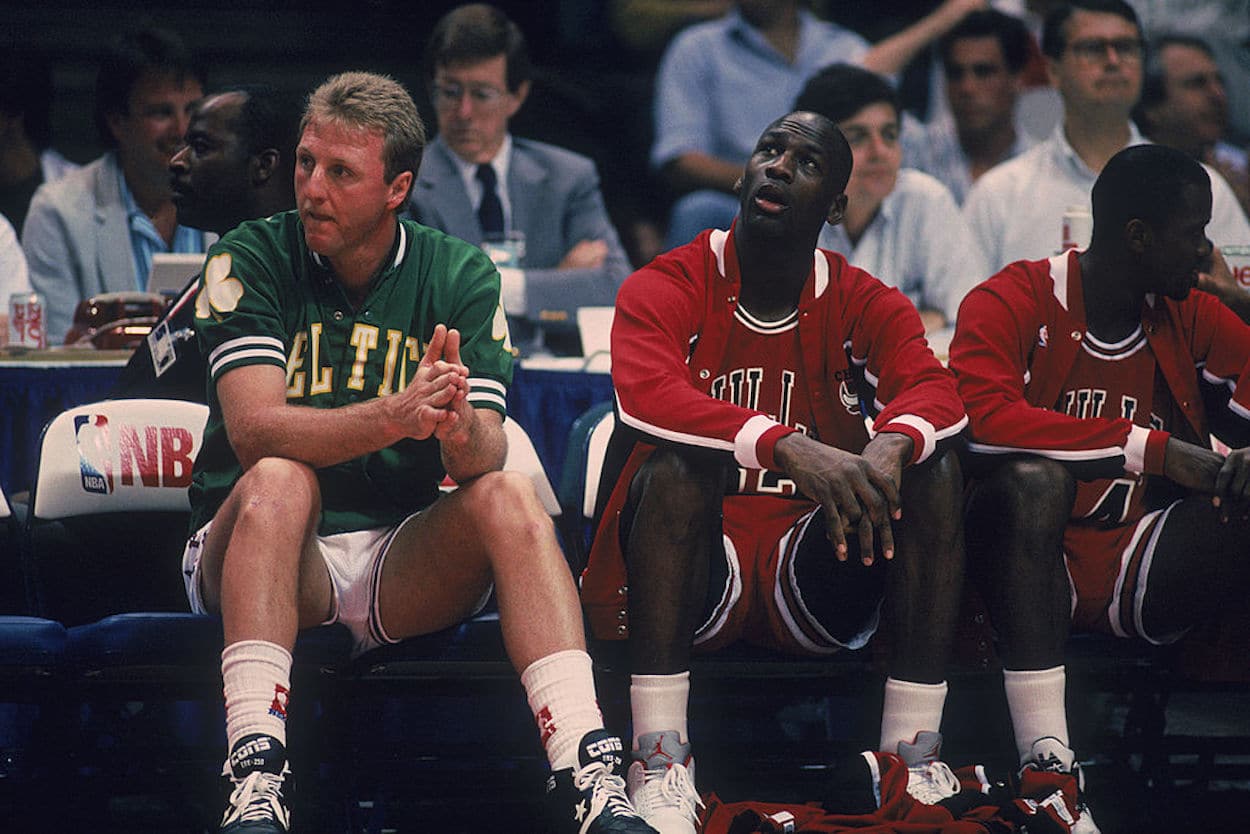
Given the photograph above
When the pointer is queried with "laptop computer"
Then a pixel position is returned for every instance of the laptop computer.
(172, 270)
(595, 326)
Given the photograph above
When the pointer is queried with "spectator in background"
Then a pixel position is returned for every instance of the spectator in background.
(26, 158)
(1225, 26)
(983, 61)
(1184, 105)
(900, 225)
(722, 82)
(95, 230)
(237, 163)
(480, 182)
(1094, 52)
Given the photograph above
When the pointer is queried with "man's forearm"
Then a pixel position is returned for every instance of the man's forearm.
(695, 170)
(319, 437)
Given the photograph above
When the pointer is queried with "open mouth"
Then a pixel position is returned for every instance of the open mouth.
(770, 199)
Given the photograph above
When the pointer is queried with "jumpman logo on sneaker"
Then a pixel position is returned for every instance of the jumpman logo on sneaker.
(659, 748)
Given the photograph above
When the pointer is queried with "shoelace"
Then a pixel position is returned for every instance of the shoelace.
(608, 790)
(256, 798)
(932, 783)
(676, 788)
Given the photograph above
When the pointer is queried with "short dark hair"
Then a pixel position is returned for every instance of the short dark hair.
(1143, 182)
(1154, 88)
(478, 32)
(145, 50)
(268, 118)
(837, 146)
(839, 91)
(1012, 35)
(1053, 40)
(26, 91)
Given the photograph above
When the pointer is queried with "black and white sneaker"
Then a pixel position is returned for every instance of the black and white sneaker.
(590, 799)
(258, 771)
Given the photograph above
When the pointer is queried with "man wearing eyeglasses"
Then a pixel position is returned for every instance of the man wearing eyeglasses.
(1094, 52)
(536, 208)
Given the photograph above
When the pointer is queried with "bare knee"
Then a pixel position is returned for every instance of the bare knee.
(506, 504)
(279, 492)
(263, 526)
(933, 494)
(1034, 490)
(676, 490)
(1017, 514)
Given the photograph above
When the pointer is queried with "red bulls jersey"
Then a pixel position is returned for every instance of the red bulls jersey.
(761, 370)
(1120, 380)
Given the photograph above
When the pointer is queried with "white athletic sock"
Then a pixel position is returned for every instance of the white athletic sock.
(256, 678)
(561, 692)
(1035, 698)
(910, 708)
(658, 703)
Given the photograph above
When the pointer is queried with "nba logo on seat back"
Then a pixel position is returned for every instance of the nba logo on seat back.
(124, 454)
(91, 432)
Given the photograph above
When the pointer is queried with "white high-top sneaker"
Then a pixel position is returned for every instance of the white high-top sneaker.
(660, 783)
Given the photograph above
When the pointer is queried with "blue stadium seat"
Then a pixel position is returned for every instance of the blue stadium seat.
(579, 481)
(12, 587)
(32, 649)
(32, 674)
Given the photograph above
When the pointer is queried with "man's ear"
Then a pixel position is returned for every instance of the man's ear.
(738, 186)
(837, 211)
(518, 98)
(262, 166)
(397, 192)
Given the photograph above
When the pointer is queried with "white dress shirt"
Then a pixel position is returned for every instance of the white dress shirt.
(1016, 209)
(918, 242)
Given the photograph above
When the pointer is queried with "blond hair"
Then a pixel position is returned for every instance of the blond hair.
(376, 102)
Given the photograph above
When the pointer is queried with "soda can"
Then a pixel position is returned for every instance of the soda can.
(1078, 227)
(1238, 258)
(27, 321)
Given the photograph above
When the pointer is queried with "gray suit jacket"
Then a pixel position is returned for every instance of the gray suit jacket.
(556, 203)
(77, 241)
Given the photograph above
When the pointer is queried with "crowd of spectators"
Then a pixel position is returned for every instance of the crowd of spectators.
(664, 100)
